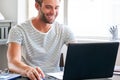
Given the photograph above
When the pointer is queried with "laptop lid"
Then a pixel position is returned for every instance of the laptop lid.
(90, 60)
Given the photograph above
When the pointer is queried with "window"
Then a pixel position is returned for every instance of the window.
(93, 17)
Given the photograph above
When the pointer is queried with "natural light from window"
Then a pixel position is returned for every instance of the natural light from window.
(93, 17)
(88, 17)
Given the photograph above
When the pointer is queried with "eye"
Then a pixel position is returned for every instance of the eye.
(57, 7)
(48, 7)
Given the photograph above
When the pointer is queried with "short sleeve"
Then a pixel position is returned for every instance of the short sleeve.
(15, 35)
(69, 36)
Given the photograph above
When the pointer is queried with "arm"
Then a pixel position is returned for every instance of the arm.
(16, 65)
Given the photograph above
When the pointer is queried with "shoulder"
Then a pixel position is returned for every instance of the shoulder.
(60, 26)
(63, 27)
(21, 26)
(25, 24)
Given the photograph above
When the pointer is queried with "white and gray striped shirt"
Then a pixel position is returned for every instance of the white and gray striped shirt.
(41, 49)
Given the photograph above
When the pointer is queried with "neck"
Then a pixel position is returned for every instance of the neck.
(40, 25)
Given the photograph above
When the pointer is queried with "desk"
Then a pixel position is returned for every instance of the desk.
(115, 77)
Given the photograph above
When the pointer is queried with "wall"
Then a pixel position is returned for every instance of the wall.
(15, 10)
(22, 11)
(9, 9)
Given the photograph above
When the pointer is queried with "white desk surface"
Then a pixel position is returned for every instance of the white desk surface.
(115, 77)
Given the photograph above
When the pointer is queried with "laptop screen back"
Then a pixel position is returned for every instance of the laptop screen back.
(90, 60)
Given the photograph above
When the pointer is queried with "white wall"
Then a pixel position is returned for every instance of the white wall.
(15, 10)
(9, 9)
(22, 11)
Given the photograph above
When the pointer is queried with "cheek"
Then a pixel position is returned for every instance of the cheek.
(46, 12)
(49, 12)
(57, 13)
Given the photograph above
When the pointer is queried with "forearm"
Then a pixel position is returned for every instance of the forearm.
(18, 67)
(25, 70)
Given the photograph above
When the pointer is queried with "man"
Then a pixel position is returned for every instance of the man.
(34, 46)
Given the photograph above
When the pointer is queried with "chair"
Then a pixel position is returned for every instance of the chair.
(61, 64)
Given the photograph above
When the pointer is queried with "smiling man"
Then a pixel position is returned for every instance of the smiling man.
(34, 47)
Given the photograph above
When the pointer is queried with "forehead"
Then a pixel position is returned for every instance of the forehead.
(51, 2)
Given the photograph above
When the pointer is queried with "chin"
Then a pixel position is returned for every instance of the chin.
(50, 22)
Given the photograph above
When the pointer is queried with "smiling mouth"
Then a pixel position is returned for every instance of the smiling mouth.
(51, 17)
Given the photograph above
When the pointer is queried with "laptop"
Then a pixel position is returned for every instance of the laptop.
(90, 60)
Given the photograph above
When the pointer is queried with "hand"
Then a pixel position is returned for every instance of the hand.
(114, 31)
(34, 73)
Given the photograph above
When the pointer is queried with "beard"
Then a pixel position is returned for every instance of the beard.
(45, 19)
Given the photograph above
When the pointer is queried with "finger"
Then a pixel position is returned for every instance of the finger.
(37, 75)
(31, 76)
(113, 27)
(116, 26)
(40, 72)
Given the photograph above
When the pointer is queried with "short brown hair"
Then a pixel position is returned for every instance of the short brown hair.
(39, 1)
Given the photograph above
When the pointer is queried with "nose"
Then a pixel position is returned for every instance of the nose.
(53, 11)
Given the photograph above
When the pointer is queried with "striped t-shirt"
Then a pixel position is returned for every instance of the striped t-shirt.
(38, 48)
